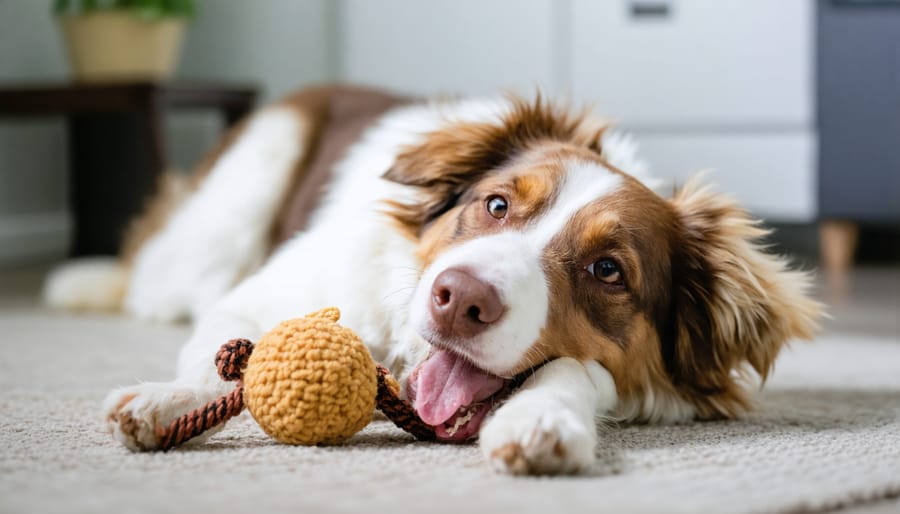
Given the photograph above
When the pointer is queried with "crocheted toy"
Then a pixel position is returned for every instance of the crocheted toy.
(308, 381)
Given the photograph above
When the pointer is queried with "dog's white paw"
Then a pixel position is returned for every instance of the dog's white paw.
(135, 415)
(530, 439)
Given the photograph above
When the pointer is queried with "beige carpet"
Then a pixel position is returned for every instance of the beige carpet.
(827, 435)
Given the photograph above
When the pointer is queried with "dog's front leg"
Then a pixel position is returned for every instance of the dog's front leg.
(549, 425)
(135, 414)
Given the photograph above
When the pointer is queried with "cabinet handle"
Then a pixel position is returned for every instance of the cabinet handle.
(646, 9)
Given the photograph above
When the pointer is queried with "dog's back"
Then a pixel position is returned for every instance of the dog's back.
(267, 206)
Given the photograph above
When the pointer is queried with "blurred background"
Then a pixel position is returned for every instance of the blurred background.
(795, 104)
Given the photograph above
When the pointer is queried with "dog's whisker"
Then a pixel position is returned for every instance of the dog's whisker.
(407, 268)
(398, 291)
(535, 351)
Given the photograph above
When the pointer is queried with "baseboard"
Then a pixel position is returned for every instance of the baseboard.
(34, 236)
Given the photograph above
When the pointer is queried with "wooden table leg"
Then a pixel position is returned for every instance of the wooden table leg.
(235, 114)
(114, 162)
(837, 244)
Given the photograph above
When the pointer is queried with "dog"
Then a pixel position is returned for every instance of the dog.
(474, 245)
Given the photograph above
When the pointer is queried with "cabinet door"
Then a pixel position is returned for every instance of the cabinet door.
(463, 46)
(714, 63)
(859, 112)
(772, 174)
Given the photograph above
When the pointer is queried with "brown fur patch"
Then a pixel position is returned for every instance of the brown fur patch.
(113, 416)
(733, 304)
(534, 191)
(453, 158)
(338, 116)
(702, 299)
(613, 325)
(513, 457)
(529, 182)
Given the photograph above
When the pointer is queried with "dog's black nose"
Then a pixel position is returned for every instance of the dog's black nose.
(462, 305)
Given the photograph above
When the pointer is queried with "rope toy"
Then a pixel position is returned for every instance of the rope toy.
(308, 381)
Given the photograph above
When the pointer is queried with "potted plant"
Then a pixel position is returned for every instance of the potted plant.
(123, 39)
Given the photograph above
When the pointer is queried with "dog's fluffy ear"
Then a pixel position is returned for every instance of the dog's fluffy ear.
(734, 304)
(442, 167)
(448, 161)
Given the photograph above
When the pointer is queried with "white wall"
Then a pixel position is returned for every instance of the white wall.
(277, 44)
(475, 47)
(280, 44)
(32, 152)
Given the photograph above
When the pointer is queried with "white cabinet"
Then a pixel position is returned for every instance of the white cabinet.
(711, 63)
(770, 172)
(723, 84)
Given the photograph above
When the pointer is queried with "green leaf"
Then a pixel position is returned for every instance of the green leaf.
(144, 9)
(61, 6)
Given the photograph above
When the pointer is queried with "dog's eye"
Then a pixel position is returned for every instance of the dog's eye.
(606, 270)
(497, 206)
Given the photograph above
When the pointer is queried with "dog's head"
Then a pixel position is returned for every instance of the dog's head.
(534, 247)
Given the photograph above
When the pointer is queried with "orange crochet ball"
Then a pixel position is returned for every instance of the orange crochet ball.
(311, 381)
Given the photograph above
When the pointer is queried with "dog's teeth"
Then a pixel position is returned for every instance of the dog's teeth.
(461, 420)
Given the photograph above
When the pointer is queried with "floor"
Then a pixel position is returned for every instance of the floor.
(865, 301)
(825, 438)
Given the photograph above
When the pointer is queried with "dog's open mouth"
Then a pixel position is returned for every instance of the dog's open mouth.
(453, 396)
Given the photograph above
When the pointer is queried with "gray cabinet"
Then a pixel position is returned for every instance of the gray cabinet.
(859, 111)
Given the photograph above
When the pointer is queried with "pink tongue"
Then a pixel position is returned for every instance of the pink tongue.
(447, 382)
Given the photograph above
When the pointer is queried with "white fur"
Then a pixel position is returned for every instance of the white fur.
(219, 234)
(92, 283)
(549, 426)
(354, 257)
(584, 183)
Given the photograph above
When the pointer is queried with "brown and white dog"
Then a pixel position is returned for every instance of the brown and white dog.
(471, 244)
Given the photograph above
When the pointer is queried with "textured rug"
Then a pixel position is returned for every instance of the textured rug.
(826, 435)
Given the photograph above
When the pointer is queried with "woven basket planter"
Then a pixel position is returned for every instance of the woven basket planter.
(117, 45)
